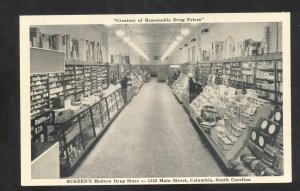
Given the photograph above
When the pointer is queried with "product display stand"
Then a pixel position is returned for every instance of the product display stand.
(78, 134)
(225, 119)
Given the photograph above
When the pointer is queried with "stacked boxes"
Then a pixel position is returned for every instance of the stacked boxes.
(217, 50)
(93, 51)
(272, 41)
(273, 35)
(68, 44)
(279, 38)
(82, 49)
(99, 52)
(74, 53)
(45, 43)
(253, 48)
(239, 51)
(35, 37)
(75, 49)
(87, 49)
(56, 43)
(229, 47)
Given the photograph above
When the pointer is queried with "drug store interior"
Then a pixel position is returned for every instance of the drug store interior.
(156, 100)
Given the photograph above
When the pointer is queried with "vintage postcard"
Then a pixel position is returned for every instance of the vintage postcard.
(155, 99)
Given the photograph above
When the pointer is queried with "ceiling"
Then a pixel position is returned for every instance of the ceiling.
(154, 39)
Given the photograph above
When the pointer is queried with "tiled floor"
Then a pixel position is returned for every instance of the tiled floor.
(152, 137)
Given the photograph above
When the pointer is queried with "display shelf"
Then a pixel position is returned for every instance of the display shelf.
(55, 87)
(39, 89)
(227, 130)
(218, 72)
(87, 80)
(69, 82)
(173, 73)
(79, 81)
(225, 157)
(251, 72)
(105, 76)
(94, 81)
(38, 130)
(78, 134)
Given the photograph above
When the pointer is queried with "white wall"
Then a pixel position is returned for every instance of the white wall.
(239, 32)
(219, 32)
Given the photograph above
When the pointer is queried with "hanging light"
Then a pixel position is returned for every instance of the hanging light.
(120, 33)
(126, 38)
(170, 49)
(185, 31)
(179, 38)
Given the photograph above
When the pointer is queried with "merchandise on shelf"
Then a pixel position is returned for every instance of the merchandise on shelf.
(225, 115)
(39, 93)
(180, 86)
(75, 49)
(173, 74)
(263, 155)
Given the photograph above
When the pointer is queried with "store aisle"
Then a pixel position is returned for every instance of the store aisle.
(152, 137)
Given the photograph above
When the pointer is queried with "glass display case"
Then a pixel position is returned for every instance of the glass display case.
(71, 143)
(38, 130)
(112, 105)
(87, 128)
(78, 134)
(97, 118)
(119, 97)
(104, 113)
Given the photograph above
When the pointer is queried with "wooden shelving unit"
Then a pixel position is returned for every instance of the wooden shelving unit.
(75, 82)
(247, 73)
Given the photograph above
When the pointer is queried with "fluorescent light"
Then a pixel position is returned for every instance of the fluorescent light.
(179, 38)
(170, 49)
(138, 50)
(120, 33)
(126, 39)
(185, 32)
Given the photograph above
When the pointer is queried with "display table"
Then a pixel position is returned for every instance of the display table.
(225, 119)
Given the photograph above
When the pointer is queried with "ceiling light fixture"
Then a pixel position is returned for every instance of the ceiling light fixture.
(173, 46)
(185, 32)
(126, 38)
(170, 49)
(120, 33)
(179, 38)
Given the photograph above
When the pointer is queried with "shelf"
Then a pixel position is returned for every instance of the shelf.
(40, 107)
(38, 84)
(231, 154)
(267, 69)
(265, 57)
(273, 101)
(265, 89)
(264, 79)
(39, 94)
